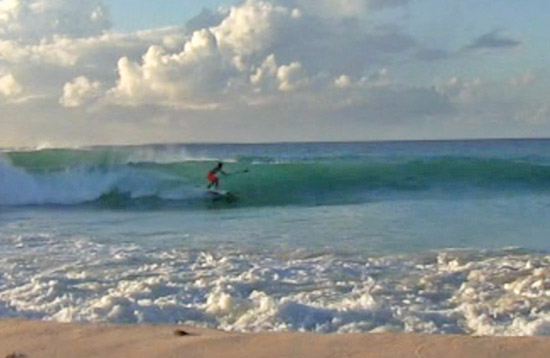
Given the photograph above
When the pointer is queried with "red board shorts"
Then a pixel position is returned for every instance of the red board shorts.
(212, 177)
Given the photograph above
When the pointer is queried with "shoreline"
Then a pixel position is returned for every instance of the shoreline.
(29, 339)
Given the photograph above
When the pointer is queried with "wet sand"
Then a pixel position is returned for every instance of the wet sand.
(32, 339)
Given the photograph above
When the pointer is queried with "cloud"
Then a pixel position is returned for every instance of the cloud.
(9, 87)
(261, 69)
(269, 76)
(192, 78)
(34, 20)
(216, 65)
(80, 91)
(253, 27)
(460, 90)
(343, 81)
(290, 76)
(392, 104)
(493, 40)
(336, 47)
(371, 99)
(513, 103)
(254, 51)
(44, 69)
(51, 52)
(219, 66)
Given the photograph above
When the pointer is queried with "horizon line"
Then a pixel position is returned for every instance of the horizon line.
(145, 144)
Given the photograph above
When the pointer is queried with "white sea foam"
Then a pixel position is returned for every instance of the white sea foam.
(79, 185)
(74, 279)
(18, 187)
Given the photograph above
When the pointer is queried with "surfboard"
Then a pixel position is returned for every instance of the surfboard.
(217, 192)
(225, 195)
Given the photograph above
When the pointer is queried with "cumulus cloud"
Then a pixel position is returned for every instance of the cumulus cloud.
(253, 50)
(216, 64)
(193, 77)
(9, 87)
(79, 91)
(290, 76)
(343, 81)
(253, 27)
(264, 74)
(376, 79)
(269, 76)
(46, 69)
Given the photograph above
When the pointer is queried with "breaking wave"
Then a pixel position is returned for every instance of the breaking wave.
(141, 176)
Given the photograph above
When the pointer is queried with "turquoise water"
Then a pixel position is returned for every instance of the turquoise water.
(432, 237)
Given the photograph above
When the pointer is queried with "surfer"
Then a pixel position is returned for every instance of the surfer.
(213, 178)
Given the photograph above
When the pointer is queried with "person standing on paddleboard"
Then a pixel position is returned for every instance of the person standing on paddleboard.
(213, 178)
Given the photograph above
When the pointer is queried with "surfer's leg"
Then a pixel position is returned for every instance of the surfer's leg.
(213, 182)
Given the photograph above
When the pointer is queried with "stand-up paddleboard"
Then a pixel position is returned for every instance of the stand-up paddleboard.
(219, 195)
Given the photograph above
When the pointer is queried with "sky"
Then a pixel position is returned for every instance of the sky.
(82, 72)
(147, 14)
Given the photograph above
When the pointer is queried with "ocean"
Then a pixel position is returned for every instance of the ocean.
(437, 237)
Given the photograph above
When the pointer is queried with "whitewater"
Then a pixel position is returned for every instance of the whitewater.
(439, 237)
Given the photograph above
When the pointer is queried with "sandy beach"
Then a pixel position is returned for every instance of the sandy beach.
(19, 339)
